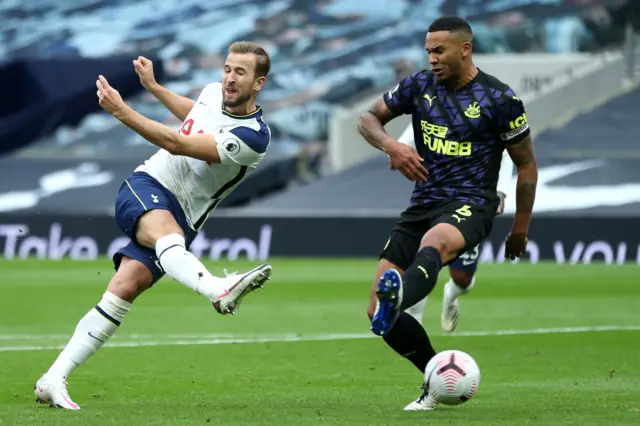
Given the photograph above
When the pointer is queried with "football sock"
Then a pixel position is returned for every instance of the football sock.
(184, 267)
(410, 340)
(421, 277)
(454, 291)
(93, 330)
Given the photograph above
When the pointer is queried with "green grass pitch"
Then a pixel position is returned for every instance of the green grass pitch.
(556, 345)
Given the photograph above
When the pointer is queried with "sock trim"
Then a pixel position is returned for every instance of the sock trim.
(171, 246)
(106, 315)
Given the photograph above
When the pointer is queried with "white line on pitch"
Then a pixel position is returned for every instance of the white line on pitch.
(209, 339)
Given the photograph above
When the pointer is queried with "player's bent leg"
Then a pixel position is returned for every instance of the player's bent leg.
(462, 271)
(158, 229)
(439, 245)
(405, 336)
(93, 331)
(131, 279)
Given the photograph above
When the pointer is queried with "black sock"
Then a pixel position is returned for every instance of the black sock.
(409, 339)
(420, 278)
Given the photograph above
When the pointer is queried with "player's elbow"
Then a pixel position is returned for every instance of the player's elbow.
(362, 122)
(177, 144)
(173, 149)
(529, 169)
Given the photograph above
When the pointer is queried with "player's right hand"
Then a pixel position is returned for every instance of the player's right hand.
(515, 245)
(144, 69)
(407, 160)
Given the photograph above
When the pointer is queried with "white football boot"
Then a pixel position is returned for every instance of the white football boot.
(423, 403)
(53, 391)
(238, 286)
(450, 309)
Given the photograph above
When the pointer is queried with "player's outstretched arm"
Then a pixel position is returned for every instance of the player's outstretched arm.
(200, 146)
(524, 158)
(177, 104)
(402, 157)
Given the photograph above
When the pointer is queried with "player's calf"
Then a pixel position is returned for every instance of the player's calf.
(439, 245)
(421, 277)
(92, 332)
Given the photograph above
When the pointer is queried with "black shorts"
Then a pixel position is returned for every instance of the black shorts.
(473, 220)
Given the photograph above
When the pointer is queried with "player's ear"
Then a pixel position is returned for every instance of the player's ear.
(257, 85)
(466, 48)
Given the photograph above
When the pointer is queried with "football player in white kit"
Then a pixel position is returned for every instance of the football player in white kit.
(462, 270)
(164, 203)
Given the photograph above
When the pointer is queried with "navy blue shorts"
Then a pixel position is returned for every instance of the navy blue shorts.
(467, 262)
(137, 195)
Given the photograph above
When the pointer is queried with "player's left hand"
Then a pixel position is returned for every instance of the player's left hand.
(108, 97)
(502, 196)
(515, 245)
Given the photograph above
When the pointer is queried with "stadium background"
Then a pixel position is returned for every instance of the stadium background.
(571, 61)
(322, 192)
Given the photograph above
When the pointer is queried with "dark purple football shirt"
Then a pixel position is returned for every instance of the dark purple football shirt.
(461, 134)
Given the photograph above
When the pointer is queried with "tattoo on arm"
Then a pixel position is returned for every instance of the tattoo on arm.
(521, 153)
(371, 124)
(524, 158)
(382, 112)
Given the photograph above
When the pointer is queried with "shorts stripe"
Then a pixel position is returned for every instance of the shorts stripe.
(135, 195)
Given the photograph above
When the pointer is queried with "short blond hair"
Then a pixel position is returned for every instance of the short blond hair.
(263, 63)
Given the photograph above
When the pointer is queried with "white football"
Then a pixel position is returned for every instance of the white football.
(452, 377)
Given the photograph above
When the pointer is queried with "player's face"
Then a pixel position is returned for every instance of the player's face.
(238, 79)
(446, 54)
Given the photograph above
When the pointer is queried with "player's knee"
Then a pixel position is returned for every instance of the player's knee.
(131, 279)
(441, 246)
(462, 279)
(446, 239)
(154, 225)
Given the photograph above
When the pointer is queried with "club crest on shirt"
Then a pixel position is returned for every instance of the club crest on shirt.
(473, 110)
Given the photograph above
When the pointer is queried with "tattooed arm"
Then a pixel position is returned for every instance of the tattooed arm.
(401, 156)
(524, 158)
(371, 126)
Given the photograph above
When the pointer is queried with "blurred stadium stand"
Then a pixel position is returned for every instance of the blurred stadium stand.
(63, 156)
(588, 167)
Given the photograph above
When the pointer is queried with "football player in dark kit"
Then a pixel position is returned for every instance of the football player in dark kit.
(463, 119)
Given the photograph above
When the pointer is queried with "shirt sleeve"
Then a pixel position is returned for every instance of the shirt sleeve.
(399, 100)
(242, 145)
(513, 126)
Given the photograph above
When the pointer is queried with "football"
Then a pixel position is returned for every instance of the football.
(452, 377)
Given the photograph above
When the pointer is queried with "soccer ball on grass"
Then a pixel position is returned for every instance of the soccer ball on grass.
(452, 377)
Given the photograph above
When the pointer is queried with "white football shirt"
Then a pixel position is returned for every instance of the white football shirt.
(242, 142)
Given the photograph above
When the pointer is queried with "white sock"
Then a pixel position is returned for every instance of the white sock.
(93, 331)
(417, 310)
(454, 290)
(183, 266)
